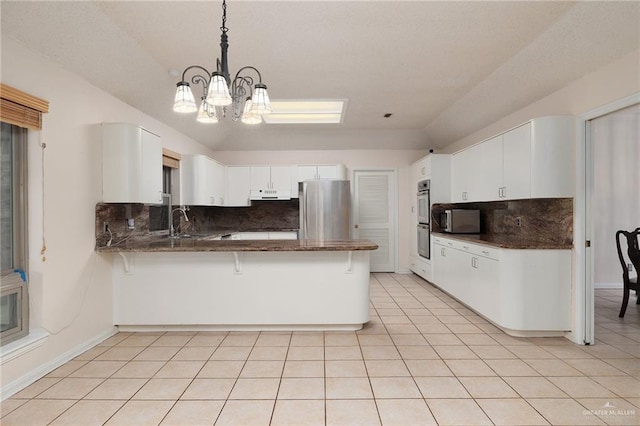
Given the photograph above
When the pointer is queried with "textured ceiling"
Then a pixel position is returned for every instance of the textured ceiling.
(444, 69)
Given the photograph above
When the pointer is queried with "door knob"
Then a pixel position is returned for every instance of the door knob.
(356, 226)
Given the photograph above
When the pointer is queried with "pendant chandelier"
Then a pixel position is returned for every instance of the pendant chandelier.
(222, 96)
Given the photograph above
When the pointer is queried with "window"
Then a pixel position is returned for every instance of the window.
(14, 300)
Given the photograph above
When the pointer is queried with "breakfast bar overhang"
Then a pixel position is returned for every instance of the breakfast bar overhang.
(194, 284)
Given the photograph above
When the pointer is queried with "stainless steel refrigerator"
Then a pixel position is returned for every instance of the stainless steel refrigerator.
(325, 210)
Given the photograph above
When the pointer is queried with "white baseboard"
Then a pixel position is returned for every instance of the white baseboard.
(22, 382)
(403, 271)
(608, 285)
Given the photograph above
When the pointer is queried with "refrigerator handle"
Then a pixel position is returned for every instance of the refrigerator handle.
(305, 230)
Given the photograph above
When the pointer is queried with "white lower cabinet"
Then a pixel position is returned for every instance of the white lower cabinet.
(525, 292)
(420, 266)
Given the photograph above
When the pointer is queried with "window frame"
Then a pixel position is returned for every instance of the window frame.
(11, 279)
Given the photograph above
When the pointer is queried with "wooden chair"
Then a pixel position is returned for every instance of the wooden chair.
(633, 253)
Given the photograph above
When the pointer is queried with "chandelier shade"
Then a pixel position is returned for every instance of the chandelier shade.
(249, 114)
(218, 91)
(261, 103)
(184, 101)
(206, 113)
(242, 98)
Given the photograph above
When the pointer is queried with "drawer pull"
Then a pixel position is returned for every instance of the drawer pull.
(485, 252)
(465, 247)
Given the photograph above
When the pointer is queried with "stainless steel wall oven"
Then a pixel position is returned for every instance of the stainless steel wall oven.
(424, 217)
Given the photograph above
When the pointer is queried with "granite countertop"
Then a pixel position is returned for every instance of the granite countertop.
(166, 244)
(506, 241)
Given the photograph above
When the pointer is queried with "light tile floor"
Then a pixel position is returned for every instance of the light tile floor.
(422, 359)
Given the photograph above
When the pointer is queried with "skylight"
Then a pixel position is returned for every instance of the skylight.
(329, 111)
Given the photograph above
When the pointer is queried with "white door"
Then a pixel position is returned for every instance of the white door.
(374, 218)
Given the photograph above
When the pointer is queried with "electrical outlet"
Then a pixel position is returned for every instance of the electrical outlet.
(105, 226)
(518, 221)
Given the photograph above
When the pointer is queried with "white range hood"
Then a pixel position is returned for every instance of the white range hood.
(270, 194)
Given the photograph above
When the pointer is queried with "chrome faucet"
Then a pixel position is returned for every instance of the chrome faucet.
(184, 210)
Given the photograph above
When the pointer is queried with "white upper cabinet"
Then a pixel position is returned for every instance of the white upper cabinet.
(333, 171)
(131, 164)
(423, 168)
(437, 168)
(203, 181)
(516, 182)
(488, 159)
(274, 180)
(552, 159)
(534, 160)
(238, 186)
(464, 168)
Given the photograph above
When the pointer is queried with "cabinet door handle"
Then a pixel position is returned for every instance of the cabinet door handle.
(451, 244)
(504, 192)
(485, 252)
(465, 247)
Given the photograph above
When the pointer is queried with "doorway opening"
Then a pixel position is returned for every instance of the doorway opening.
(608, 200)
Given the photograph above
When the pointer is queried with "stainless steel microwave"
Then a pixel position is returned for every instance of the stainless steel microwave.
(460, 221)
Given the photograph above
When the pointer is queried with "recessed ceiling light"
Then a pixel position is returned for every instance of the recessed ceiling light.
(317, 111)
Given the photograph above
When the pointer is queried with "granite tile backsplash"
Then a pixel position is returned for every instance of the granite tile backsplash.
(543, 219)
(281, 215)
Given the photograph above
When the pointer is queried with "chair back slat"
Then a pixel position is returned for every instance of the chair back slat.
(633, 249)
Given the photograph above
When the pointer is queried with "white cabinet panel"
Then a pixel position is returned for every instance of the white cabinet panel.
(131, 164)
(519, 290)
(307, 173)
(203, 181)
(260, 177)
(552, 159)
(486, 180)
(483, 286)
(332, 171)
(277, 178)
(218, 182)
(423, 168)
(534, 160)
(238, 186)
(463, 173)
(151, 170)
(517, 163)
(281, 178)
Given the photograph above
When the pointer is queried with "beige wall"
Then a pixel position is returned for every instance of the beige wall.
(601, 87)
(70, 285)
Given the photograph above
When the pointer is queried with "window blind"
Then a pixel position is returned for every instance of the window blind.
(170, 158)
(21, 109)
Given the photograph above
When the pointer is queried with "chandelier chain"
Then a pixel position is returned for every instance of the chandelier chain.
(224, 28)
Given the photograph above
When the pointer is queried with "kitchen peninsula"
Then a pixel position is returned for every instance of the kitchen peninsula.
(210, 284)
